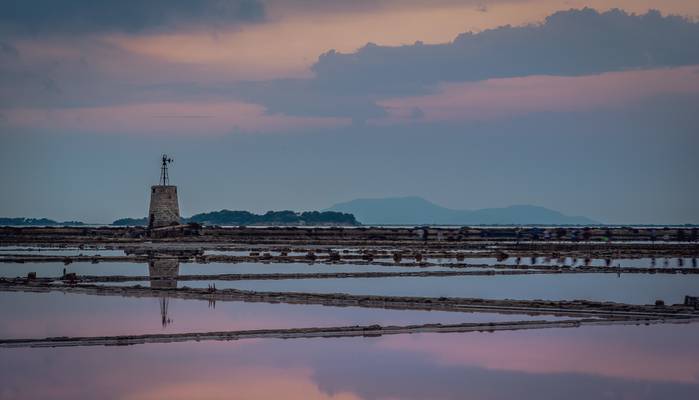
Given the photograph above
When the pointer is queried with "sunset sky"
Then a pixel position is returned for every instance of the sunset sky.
(587, 107)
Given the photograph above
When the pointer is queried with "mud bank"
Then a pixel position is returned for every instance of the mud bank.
(330, 332)
(506, 269)
(336, 235)
(529, 307)
(80, 279)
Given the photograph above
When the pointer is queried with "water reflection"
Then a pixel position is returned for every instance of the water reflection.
(55, 269)
(621, 288)
(643, 262)
(163, 275)
(60, 251)
(629, 362)
(40, 315)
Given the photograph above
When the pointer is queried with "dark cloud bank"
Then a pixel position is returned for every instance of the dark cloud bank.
(86, 16)
(567, 43)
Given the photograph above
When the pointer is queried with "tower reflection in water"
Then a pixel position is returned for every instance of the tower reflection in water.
(163, 275)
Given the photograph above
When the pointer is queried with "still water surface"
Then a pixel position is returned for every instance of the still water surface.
(626, 288)
(614, 362)
(40, 315)
(55, 269)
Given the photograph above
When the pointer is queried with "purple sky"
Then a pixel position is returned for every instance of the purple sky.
(587, 107)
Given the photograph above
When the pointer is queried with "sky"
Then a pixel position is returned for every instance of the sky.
(586, 107)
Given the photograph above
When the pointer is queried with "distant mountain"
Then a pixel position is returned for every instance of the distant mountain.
(418, 211)
(21, 221)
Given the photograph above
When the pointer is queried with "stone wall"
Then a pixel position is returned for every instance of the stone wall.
(164, 209)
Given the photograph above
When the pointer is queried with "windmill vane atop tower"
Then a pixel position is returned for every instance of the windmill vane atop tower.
(163, 210)
(164, 177)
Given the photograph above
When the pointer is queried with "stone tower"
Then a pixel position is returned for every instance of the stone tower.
(164, 208)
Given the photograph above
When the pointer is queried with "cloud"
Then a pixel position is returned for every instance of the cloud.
(358, 6)
(196, 118)
(8, 50)
(369, 83)
(364, 85)
(507, 97)
(417, 113)
(567, 43)
(86, 16)
(304, 97)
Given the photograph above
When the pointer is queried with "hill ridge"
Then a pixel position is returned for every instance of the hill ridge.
(416, 210)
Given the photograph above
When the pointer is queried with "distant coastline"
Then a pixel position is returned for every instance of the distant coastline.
(382, 212)
(125, 222)
(387, 212)
(22, 221)
(270, 218)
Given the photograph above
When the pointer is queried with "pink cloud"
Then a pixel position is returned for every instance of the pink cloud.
(202, 118)
(498, 98)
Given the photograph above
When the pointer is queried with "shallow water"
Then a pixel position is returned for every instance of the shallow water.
(660, 262)
(617, 362)
(626, 288)
(55, 269)
(236, 253)
(296, 268)
(58, 251)
(40, 315)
